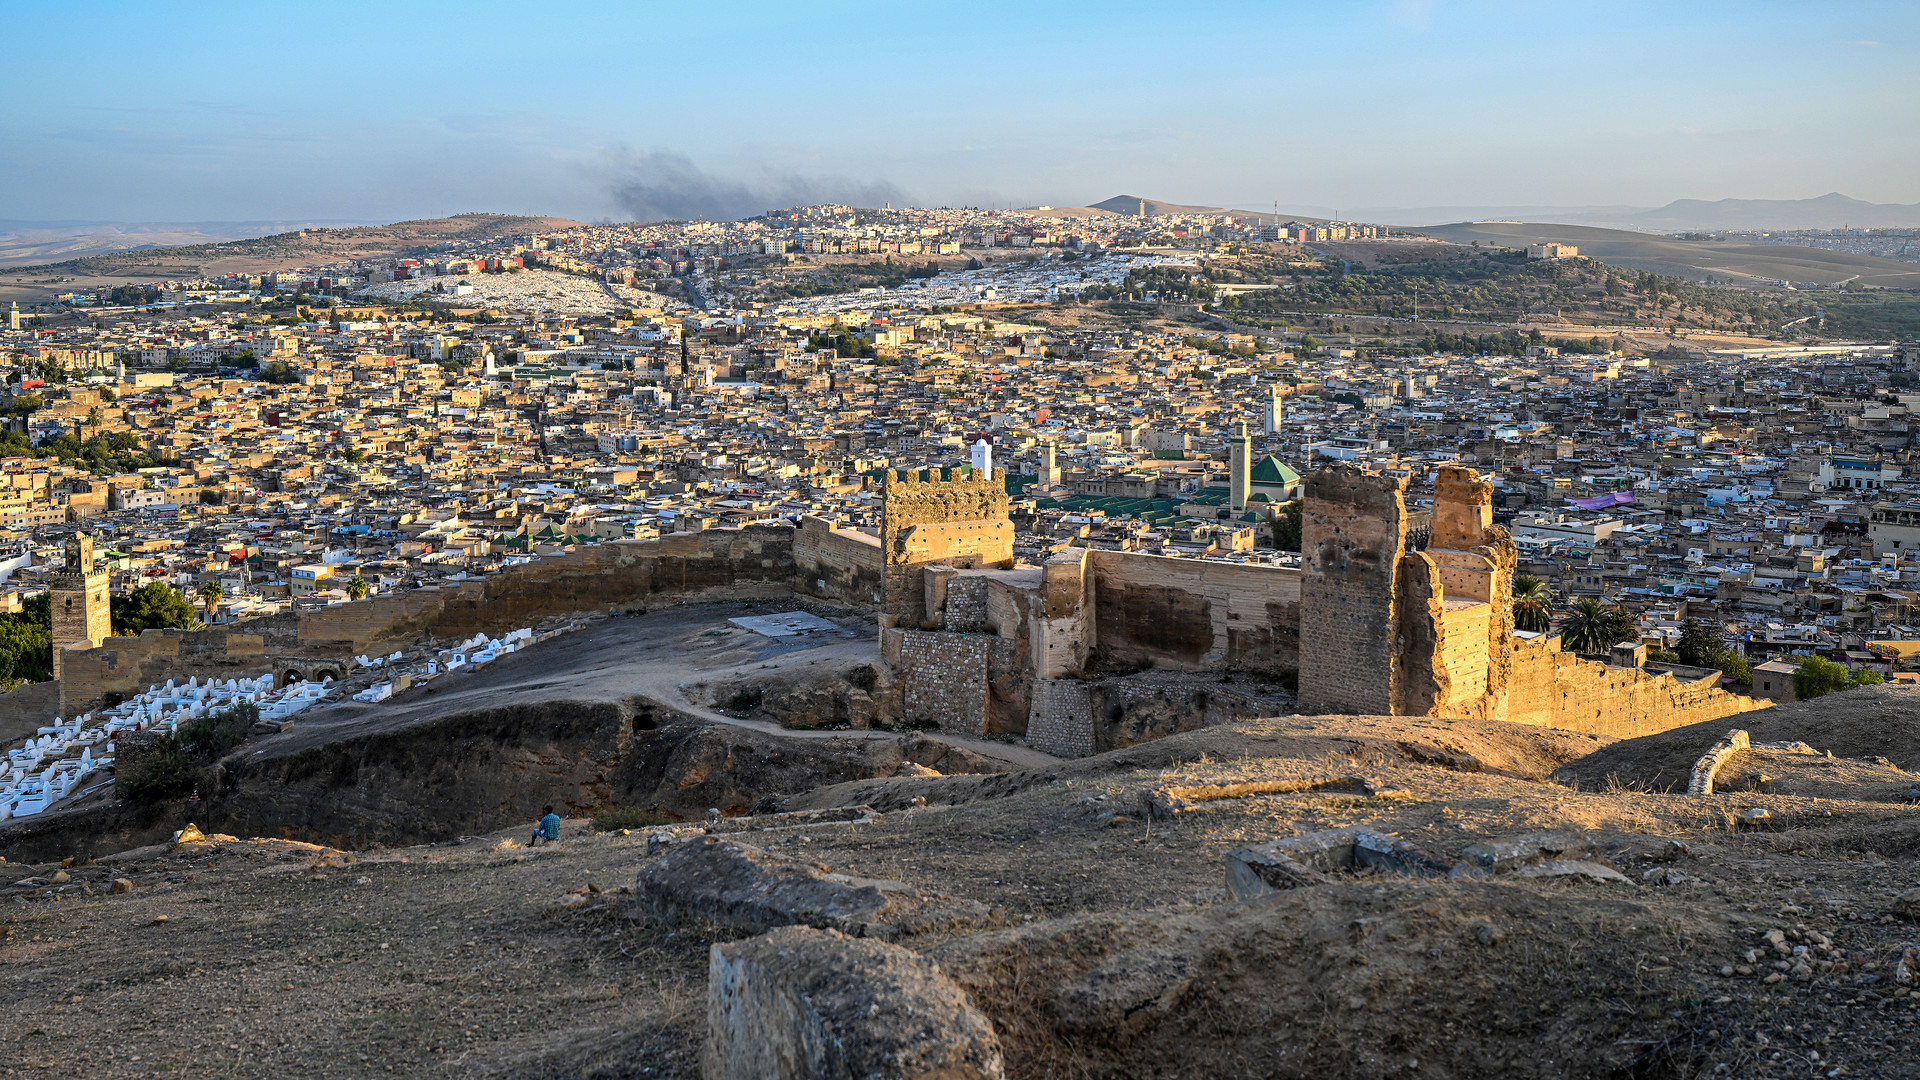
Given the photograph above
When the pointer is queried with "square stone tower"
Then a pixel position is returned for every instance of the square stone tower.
(1387, 631)
(82, 617)
(955, 516)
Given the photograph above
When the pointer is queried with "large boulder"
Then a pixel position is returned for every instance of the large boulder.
(805, 1004)
(750, 889)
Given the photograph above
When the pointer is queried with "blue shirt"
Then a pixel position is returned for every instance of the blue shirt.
(550, 826)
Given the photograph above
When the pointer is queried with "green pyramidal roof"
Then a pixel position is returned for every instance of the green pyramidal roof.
(1269, 470)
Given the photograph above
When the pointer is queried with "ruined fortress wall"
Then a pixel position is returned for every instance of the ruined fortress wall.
(1062, 721)
(1195, 614)
(843, 565)
(944, 679)
(1558, 689)
(1353, 532)
(955, 516)
(25, 709)
(713, 565)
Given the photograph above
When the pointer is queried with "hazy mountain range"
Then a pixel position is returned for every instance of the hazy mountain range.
(1830, 211)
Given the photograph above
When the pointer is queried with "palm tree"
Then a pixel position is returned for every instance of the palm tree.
(1593, 627)
(1532, 604)
(357, 588)
(210, 594)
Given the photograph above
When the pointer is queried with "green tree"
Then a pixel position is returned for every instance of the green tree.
(1286, 526)
(1594, 627)
(354, 455)
(1532, 604)
(1866, 677)
(278, 374)
(158, 606)
(1817, 677)
(357, 588)
(210, 593)
(1701, 645)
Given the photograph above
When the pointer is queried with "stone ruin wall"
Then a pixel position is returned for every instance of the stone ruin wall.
(711, 565)
(1553, 688)
(843, 565)
(1353, 531)
(1195, 615)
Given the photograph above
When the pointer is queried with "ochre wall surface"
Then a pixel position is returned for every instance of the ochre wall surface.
(1353, 531)
(711, 565)
(1195, 614)
(1553, 688)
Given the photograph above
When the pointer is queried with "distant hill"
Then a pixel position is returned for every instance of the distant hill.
(25, 243)
(1738, 263)
(1830, 211)
(295, 247)
(1137, 206)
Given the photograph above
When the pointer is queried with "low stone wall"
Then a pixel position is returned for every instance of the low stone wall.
(1554, 688)
(1704, 770)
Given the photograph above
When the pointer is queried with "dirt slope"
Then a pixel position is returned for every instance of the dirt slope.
(1870, 722)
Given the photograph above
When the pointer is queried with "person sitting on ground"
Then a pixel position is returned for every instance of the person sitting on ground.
(547, 831)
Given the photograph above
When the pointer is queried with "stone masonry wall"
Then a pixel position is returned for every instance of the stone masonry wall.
(966, 604)
(1353, 533)
(838, 564)
(712, 565)
(1554, 688)
(943, 678)
(1061, 722)
(1195, 614)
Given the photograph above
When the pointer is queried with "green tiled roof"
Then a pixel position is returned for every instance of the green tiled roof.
(1270, 471)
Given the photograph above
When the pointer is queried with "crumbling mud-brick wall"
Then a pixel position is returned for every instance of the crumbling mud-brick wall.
(1195, 614)
(1554, 688)
(1353, 532)
(718, 564)
(1456, 607)
(842, 565)
(954, 516)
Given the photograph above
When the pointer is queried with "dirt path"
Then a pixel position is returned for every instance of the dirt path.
(657, 656)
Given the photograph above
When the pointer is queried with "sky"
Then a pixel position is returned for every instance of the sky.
(352, 111)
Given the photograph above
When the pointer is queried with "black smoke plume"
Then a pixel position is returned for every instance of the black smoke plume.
(663, 186)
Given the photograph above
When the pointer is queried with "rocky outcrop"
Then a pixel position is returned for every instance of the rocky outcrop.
(805, 1004)
(749, 889)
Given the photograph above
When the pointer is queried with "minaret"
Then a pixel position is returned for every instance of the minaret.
(13, 316)
(982, 452)
(1240, 465)
(1049, 465)
(82, 618)
(1275, 409)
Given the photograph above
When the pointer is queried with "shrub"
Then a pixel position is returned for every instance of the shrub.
(174, 767)
(1818, 677)
(866, 677)
(745, 701)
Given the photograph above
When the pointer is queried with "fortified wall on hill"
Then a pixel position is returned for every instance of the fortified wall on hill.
(1364, 625)
(978, 644)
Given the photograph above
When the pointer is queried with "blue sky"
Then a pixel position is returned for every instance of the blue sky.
(208, 111)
